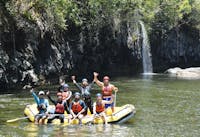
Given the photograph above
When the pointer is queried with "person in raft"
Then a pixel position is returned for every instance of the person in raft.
(85, 89)
(60, 107)
(77, 107)
(99, 107)
(42, 106)
(66, 95)
(107, 90)
(61, 82)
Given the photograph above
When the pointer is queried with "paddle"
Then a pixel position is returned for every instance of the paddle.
(16, 119)
(115, 99)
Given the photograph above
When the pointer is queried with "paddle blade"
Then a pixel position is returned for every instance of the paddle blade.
(16, 119)
(12, 120)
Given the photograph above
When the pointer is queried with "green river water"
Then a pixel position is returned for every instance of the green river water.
(166, 107)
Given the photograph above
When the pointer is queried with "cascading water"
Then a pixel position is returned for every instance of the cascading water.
(146, 51)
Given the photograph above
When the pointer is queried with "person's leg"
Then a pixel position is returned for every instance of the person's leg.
(44, 117)
(86, 103)
(80, 118)
(70, 117)
(37, 118)
(68, 104)
(51, 118)
(109, 105)
(104, 117)
(90, 106)
(112, 107)
(86, 110)
(61, 117)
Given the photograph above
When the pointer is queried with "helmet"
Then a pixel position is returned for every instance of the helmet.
(77, 94)
(98, 95)
(59, 94)
(65, 86)
(84, 80)
(106, 78)
(41, 93)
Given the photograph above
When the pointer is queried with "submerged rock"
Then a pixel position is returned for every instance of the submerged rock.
(188, 73)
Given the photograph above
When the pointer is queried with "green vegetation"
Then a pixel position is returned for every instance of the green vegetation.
(162, 14)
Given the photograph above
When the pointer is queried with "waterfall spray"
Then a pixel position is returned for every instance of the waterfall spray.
(146, 51)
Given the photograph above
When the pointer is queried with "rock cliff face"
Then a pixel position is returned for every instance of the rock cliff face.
(177, 48)
(28, 55)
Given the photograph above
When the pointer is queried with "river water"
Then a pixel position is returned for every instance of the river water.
(166, 107)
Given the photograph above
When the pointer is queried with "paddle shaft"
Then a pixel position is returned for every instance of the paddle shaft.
(16, 119)
(115, 99)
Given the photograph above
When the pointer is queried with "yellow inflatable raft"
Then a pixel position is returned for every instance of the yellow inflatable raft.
(120, 115)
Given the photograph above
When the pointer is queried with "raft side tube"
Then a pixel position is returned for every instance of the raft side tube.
(121, 115)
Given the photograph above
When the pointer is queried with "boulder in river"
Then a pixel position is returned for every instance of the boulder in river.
(188, 73)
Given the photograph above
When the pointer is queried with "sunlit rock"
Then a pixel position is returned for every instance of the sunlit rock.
(188, 73)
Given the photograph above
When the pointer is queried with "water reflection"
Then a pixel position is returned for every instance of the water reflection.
(92, 130)
(33, 130)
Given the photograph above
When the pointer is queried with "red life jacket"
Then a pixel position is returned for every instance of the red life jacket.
(76, 107)
(107, 90)
(60, 108)
(100, 107)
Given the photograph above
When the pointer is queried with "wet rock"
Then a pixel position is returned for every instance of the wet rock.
(173, 71)
(188, 73)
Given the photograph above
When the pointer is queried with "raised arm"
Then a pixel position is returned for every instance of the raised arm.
(76, 84)
(36, 98)
(99, 83)
(49, 97)
(91, 85)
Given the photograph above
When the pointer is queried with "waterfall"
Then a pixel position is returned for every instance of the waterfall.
(146, 51)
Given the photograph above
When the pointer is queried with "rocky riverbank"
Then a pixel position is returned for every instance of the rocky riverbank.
(188, 73)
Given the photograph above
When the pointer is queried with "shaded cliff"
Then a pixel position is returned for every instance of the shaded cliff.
(177, 48)
(41, 40)
(29, 55)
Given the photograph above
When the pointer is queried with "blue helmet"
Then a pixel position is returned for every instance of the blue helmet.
(84, 80)
(77, 94)
(98, 95)
(65, 86)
